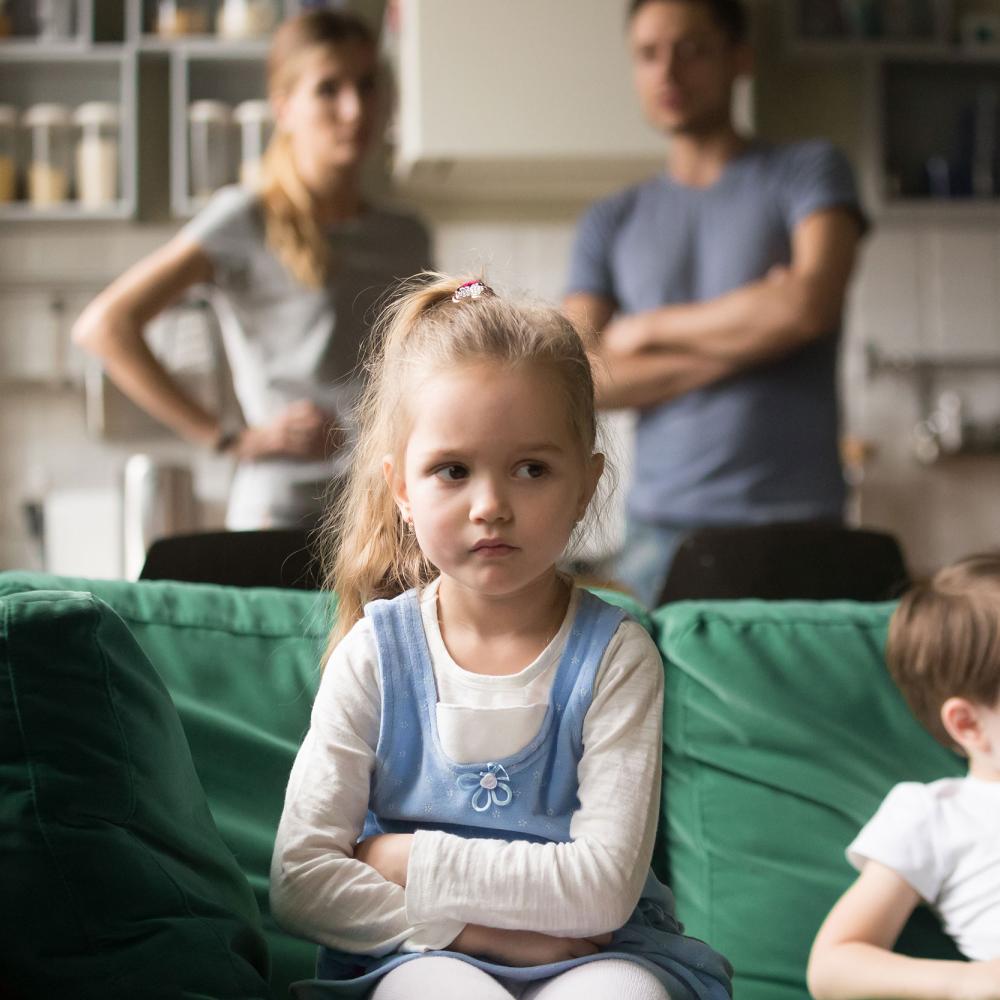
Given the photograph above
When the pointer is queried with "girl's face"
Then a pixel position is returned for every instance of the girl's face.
(493, 477)
(331, 110)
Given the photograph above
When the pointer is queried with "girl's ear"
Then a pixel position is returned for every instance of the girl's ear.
(960, 718)
(397, 486)
(595, 469)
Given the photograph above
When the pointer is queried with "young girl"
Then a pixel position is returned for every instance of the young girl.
(294, 268)
(472, 812)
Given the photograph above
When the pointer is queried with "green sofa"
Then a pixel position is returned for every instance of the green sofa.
(147, 730)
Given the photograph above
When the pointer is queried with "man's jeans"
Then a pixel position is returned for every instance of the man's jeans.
(646, 557)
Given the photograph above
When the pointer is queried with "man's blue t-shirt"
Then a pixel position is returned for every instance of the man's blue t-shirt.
(763, 444)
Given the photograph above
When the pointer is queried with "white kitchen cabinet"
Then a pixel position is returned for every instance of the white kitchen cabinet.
(519, 98)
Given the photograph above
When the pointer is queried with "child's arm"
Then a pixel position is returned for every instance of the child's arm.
(591, 884)
(318, 889)
(851, 958)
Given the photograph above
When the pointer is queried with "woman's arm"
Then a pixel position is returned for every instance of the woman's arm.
(591, 884)
(112, 328)
(852, 957)
(318, 889)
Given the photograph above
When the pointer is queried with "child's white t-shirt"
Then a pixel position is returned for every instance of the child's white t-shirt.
(943, 838)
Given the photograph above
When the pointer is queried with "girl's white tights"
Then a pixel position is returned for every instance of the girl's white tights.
(452, 979)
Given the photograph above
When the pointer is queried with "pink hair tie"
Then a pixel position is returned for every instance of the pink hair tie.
(472, 290)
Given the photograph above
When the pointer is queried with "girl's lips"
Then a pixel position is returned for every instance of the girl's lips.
(492, 548)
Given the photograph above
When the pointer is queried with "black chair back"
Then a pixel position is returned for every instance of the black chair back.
(275, 558)
(806, 561)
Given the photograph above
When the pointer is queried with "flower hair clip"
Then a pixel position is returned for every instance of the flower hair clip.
(492, 787)
(472, 290)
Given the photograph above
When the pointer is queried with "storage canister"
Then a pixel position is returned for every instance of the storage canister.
(49, 167)
(240, 19)
(255, 122)
(176, 18)
(97, 153)
(8, 152)
(209, 124)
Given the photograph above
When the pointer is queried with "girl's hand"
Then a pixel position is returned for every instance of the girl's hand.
(388, 854)
(978, 981)
(524, 947)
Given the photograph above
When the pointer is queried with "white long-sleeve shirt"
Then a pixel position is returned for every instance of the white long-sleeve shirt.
(587, 886)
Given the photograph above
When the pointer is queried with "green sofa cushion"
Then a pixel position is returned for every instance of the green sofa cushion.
(242, 667)
(783, 733)
(113, 867)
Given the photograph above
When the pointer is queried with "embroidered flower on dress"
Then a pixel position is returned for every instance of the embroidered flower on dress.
(492, 787)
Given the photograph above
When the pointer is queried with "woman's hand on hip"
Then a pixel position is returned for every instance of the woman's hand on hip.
(388, 854)
(524, 947)
(301, 430)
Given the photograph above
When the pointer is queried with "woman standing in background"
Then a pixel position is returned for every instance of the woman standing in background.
(294, 268)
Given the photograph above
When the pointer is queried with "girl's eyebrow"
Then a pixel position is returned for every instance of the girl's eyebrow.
(457, 452)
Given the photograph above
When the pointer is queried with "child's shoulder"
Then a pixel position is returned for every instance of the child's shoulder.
(920, 800)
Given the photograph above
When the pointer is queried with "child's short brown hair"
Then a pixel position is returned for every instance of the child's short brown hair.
(944, 640)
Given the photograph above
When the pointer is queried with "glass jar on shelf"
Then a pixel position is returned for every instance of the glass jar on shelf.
(8, 152)
(246, 19)
(97, 153)
(50, 163)
(209, 125)
(55, 20)
(177, 18)
(255, 123)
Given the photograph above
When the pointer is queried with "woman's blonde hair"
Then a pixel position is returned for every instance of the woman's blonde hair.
(290, 225)
(944, 640)
(369, 551)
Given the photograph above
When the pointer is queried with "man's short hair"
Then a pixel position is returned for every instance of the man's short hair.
(944, 640)
(730, 15)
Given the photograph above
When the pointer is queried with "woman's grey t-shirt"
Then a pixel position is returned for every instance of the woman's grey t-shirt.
(762, 445)
(286, 342)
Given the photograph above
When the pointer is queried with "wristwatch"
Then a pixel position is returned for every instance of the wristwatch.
(226, 439)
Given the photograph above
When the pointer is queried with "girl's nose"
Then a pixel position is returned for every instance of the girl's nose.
(489, 503)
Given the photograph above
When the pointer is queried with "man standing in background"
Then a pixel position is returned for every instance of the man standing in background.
(716, 289)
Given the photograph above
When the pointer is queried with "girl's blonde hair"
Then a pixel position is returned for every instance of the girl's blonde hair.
(369, 551)
(290, 225)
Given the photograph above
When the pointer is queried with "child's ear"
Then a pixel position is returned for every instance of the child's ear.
(595, 469)
(960, 718)
(397, 486)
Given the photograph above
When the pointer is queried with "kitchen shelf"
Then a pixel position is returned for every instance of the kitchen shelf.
(934, 143)
(98, 72)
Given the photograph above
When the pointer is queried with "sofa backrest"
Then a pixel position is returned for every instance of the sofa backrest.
(783, 733)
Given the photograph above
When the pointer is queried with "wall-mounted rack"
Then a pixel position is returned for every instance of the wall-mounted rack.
(942, 429)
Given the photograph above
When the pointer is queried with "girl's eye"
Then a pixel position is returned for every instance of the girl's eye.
(367, 85)
(451, 473)
(327, 88)
(530, 470)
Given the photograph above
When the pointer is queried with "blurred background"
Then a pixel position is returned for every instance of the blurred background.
(118, 119)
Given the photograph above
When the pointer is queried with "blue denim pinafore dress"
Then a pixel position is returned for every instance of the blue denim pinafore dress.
(530, 795)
